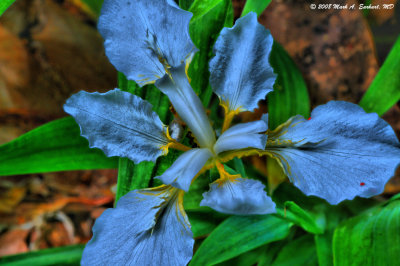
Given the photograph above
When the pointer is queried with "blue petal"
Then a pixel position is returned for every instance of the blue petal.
(188, 105)
(181, 173)
(148, 227)
(240, 197)
(119, 123)
(340, 153)
(240, 71)
(143, 38)
(245, 135)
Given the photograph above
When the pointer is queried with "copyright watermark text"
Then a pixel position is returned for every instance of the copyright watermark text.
(351, 7)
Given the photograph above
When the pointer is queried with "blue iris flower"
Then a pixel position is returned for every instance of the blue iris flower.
(340, 153)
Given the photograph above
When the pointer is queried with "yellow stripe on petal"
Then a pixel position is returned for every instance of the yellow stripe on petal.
(229, 115)
(180, 210)
(229, 155)
(225, 176)
(172, 144)
(188, 61)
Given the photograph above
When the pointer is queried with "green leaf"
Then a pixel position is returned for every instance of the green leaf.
(55, 146)
(323, 244)
(384, 90)
(4, 4)
(249, 258)
(371, 238)
(239, 234)
(288, 192)
(395, 197)
(209, 17)
(137, 176)
(239, 167)
(132, 176)
(185, 4)
(193, 197)
(257, 6)
(94, 5)
(300, 251)
(366, 11)
(303, 218)
(204, 220)
(290, 95)
(69, 255)
(272, 250)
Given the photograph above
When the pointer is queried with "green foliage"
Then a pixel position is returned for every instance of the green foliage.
(251, 257)
(69, 255)
(300, 217)
(239, 167)
(384, 91)
(257, 6)
(136, 176)
(131, 176)
(290, 95)
(185, 4)
(94, 5)
(239, 234)
(366, 11)
(271, 251)
(4, 4)
(209, 17)
(323, 244)
(192, 198)
(204, 220)
(300, 251)
(371, 238)
(55, 146)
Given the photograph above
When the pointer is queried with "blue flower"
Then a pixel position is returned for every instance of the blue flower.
(340, 153)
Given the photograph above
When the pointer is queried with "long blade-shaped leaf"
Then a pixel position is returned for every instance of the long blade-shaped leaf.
(301, 217)
(185, 4)
(239, 234)
(209, 17)
(4, 4)
(300, 251)
(204, 221)
(257, 6)
(55, 146)
(372, 238)
(323, 244)
(94, 5)
(290, 95)
(384, 91)
(69, 255)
